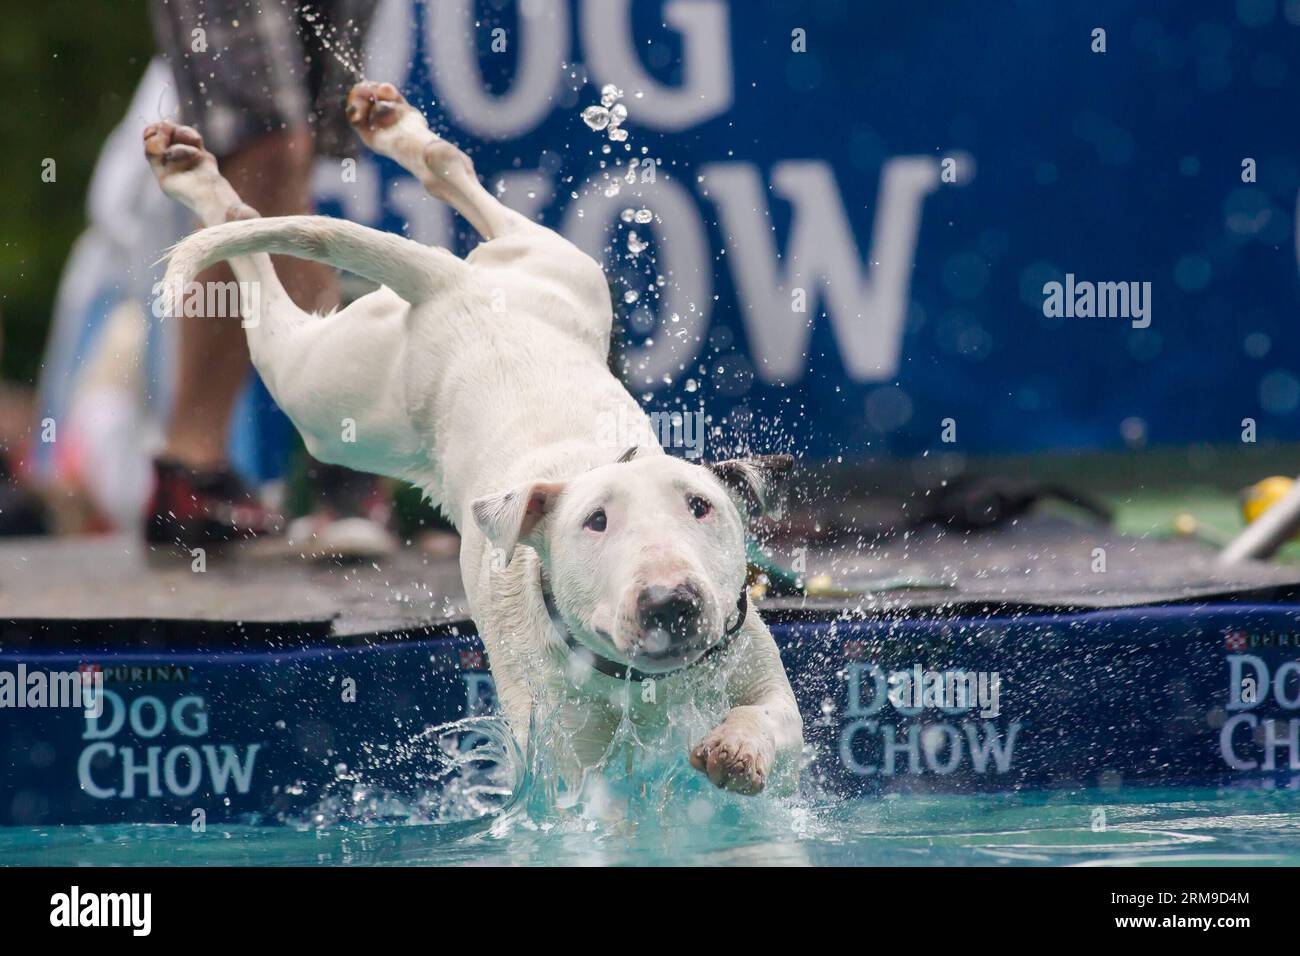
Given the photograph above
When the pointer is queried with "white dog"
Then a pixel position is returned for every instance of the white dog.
(483, 381)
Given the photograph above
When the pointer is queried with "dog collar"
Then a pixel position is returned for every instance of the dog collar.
(622, 671)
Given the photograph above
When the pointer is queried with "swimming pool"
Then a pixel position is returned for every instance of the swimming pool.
(1193, 827)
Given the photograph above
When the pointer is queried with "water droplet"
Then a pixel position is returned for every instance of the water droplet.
(644, 215)
(610, 94)
(596, 117)
(630, 296)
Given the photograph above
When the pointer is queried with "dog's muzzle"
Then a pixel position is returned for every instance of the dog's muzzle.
(668, 616)
(669, 619)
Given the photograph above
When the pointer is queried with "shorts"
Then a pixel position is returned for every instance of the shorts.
(261, 66)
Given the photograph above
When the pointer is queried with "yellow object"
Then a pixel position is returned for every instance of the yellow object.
(820, 585)
(1263, 495)
(1186, 524)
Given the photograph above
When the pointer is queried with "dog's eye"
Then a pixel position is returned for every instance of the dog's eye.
(595, 521)
(699, 507)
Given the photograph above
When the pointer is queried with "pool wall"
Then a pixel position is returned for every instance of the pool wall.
(1205, 695)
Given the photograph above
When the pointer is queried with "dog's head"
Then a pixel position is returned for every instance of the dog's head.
(645, 557)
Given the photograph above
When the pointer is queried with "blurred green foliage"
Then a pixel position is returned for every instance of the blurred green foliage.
(68, 68)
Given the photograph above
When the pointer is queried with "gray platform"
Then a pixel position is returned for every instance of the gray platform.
(1044, 562)
(118, 577)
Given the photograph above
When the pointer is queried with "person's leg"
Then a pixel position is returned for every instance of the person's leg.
(266, 90)
(273, 175)
(237, 66)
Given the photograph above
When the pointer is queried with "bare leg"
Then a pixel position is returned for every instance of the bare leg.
(212, 364)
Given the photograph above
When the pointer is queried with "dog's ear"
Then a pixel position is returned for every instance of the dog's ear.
(757, 483)
(512, 517)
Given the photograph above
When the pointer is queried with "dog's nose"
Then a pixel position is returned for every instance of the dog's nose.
(675, 611)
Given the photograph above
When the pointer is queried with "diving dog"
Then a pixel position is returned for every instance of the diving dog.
(484, 381)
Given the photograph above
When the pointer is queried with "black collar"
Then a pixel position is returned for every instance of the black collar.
(622, 671)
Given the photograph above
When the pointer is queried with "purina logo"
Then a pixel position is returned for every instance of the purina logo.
(1237, 640)
(139, 673)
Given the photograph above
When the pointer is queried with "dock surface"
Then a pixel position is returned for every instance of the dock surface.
(1040, 563)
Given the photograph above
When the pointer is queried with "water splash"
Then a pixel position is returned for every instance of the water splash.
(609, 116)
(334, 42)
(641, 789)
(463, 773)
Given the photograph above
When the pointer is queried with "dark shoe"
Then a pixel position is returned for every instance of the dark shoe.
(351, 519)
(193, 508)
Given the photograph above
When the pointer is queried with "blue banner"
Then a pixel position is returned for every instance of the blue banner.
(894, 228)
(1156, 696)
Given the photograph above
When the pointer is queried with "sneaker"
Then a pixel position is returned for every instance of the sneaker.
(349, 539)
(195, 507)
(351, 519)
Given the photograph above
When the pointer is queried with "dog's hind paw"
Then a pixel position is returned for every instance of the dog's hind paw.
(174, 149)
(374, 106)
(735, 755)
(188, 173)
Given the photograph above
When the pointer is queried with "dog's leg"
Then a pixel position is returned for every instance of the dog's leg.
(763, 733)
(393, 128)
(188, 173)
(339, 377)
(515, 244)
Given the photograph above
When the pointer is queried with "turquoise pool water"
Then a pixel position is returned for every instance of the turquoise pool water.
(1166, 827)
(488, 803)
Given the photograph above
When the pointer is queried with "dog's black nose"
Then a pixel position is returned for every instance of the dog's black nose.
(675, 611)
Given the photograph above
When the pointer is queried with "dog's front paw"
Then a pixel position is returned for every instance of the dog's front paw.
(736, 755)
